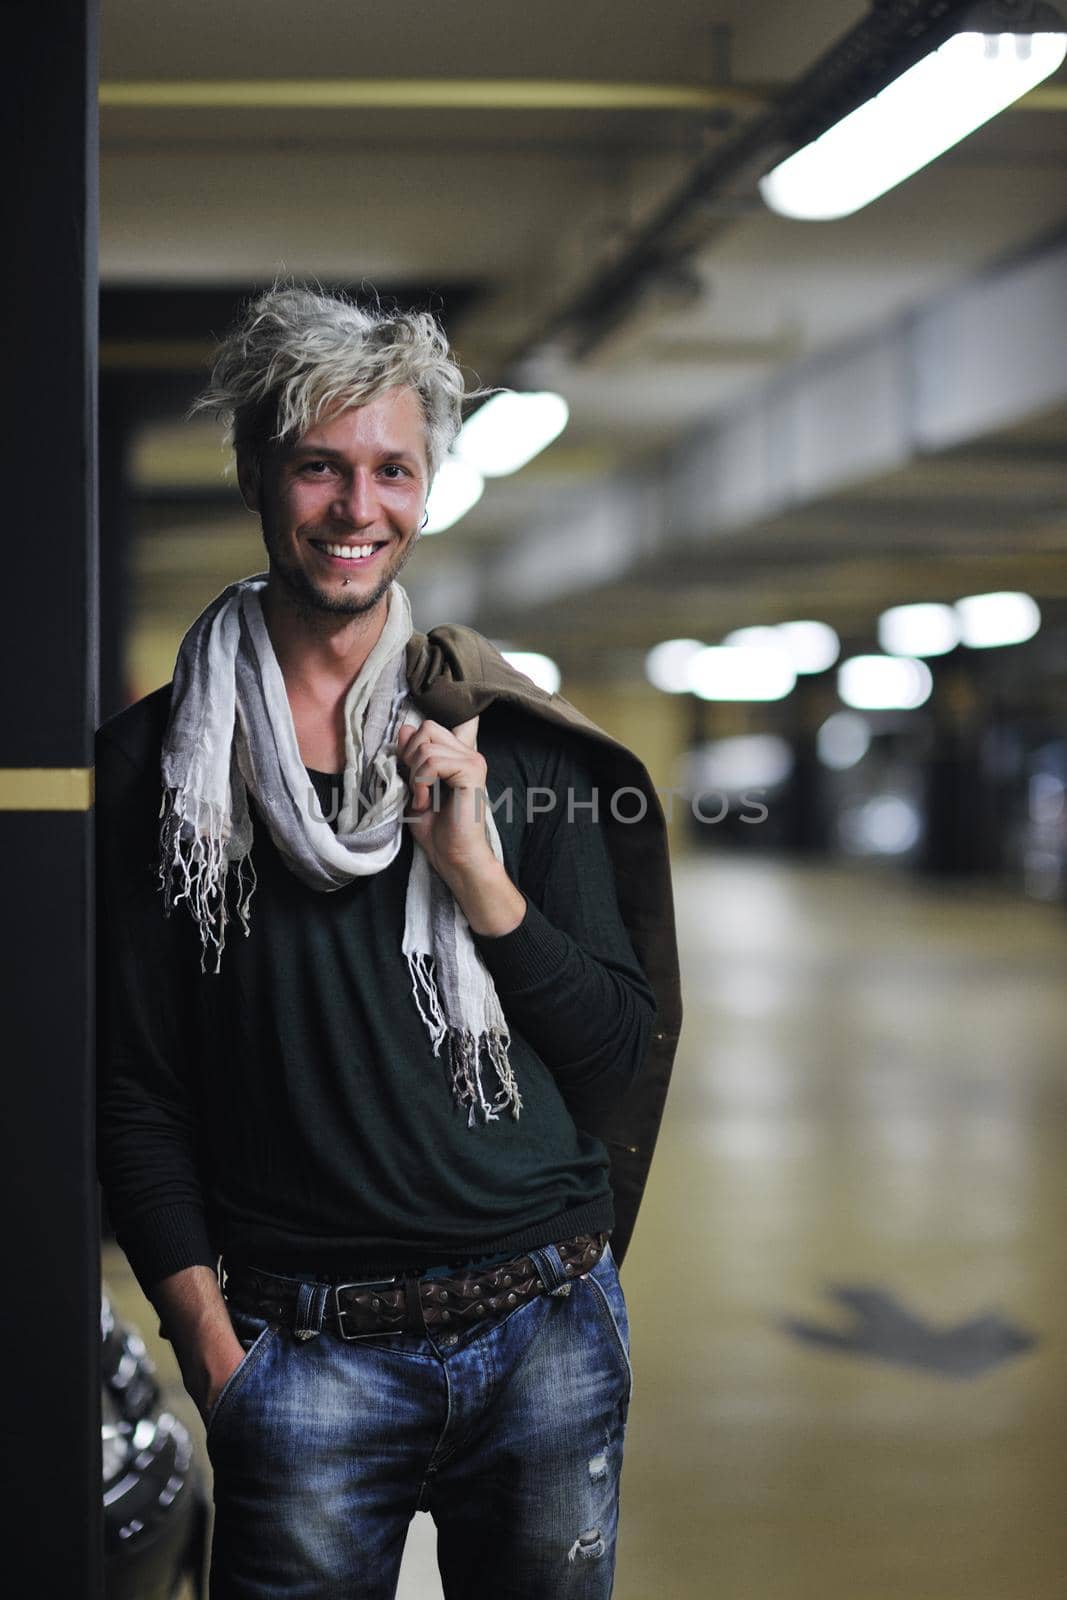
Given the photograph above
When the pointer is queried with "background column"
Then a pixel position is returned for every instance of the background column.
(49, 1330)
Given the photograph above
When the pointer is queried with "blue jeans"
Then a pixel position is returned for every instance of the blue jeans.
(510, 1434)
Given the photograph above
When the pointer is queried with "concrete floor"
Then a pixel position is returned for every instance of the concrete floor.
(845, 1284)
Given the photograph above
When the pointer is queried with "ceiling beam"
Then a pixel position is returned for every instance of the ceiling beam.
(464, 94)
(976, 360)
(429, 94)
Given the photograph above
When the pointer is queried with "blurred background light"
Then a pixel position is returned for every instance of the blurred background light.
(811, 646)
(667, 664)
(457, 487)
(1003, 618)
(1046, 797)
(509, 430)
(770, 645)
(918, 630)
(748, 760)
(884, 683)
(741, 672)
(758, 638)
(884, 825)
(842, 741)
(920, 115)
(541, 669)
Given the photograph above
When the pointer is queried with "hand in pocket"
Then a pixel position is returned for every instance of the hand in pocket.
(209, 1364)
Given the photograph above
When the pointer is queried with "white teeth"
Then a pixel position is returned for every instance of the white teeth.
(348, 552)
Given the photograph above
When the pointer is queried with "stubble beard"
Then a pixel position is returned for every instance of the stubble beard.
(312, 602)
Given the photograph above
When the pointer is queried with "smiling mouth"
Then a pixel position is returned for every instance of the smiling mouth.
(347, 555)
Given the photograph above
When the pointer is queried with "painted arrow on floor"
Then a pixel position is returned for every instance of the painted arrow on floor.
(885, 1329)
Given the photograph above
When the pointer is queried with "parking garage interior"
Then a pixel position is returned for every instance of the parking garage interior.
(845, 1281)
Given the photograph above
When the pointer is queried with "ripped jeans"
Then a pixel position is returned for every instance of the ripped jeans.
(510, 1434)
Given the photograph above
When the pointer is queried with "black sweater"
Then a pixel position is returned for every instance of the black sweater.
(288, 1111)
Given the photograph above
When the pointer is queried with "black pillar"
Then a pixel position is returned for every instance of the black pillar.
(805, 829)
(116, 406)
(956, 790)
(49, 1330)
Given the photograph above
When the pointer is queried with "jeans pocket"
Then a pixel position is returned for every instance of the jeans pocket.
(255, 1334)
(603, 1278)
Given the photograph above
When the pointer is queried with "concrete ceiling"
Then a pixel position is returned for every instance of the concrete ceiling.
(519, 207)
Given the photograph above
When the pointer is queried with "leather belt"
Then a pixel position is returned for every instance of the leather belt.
(406, 1303)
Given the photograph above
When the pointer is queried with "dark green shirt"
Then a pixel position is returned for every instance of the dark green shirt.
(289, 1111)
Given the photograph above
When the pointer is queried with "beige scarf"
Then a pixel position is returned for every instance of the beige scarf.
(231, 734)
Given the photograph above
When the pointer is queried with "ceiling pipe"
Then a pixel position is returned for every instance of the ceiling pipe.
(894, 35)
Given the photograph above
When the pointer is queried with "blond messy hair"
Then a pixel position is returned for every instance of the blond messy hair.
(297, 355)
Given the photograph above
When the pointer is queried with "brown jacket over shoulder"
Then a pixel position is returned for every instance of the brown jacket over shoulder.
(454, 673)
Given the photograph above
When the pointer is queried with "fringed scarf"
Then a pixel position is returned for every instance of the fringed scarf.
(231, 734)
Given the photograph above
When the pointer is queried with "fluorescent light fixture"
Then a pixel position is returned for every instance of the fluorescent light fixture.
(456, 488)
(667, 664)
(811, 646)
(842, 741)
(509, 430)
(918, 630)
(542, 670)
(917, 117)
(884, 683)
(741, 672)
(997, 619)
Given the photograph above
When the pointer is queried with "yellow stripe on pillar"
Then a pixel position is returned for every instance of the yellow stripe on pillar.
(46, 788)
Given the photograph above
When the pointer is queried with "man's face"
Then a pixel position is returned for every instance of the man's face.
(357, 481)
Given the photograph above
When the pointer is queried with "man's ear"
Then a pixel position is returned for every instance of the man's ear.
(248, 481)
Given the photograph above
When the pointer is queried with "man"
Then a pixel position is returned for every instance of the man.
(365, 1153)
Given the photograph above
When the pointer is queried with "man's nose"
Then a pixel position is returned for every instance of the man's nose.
(357, 500)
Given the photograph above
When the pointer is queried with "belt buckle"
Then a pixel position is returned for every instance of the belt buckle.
(340, 1314)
